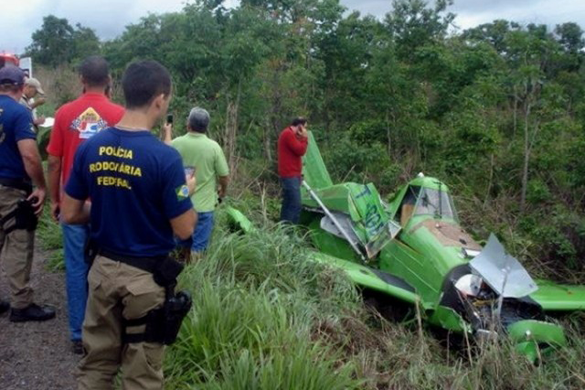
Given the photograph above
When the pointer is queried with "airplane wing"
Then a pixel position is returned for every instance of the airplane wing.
(370, 278)
(361, 275)
(559, 297)
(239, 221)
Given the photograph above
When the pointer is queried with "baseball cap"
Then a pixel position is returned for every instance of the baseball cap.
(36, 84)
(11, 75)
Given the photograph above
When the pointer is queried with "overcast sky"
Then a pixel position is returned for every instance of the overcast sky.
(109, 17)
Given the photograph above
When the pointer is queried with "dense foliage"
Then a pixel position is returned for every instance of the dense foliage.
(57, 42)
(496, 111)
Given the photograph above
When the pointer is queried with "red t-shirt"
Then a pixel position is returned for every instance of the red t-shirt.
(291, 149)
(77, 121)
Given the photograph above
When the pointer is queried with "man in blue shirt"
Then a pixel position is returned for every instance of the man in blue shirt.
(20, 205)
(139, 200)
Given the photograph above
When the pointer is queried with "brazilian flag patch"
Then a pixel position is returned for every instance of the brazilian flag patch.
(182, 192)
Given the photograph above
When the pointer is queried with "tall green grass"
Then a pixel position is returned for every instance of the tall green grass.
(264, 317)
(50, 236)
(255, 308)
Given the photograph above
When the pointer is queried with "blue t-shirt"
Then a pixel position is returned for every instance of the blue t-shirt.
(15, 125)
(136, 185)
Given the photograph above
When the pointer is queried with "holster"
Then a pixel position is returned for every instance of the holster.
(163, 324)
(166, 271)
(24, 218)
(90, 251)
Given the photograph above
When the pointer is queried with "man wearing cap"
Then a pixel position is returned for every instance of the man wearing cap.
(206, 158)
(20, 204)
(32, 89)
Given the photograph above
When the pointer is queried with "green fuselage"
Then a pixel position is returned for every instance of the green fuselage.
(420, 254)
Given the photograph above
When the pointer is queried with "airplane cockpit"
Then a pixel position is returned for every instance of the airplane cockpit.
(426, 201)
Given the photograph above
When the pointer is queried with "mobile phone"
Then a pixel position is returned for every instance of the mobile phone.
(170, 119)
(189, 171)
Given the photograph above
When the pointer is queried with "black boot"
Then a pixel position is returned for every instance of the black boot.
(32, 312)
(4, 306)
(77, 347)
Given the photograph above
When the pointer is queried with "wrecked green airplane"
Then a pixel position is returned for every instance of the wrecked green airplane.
(415, 251)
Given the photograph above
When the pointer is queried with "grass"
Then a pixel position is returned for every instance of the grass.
(50, 236)
(253, 323)
(264, 317)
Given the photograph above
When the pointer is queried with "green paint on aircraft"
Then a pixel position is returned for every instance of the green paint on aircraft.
(414, 250)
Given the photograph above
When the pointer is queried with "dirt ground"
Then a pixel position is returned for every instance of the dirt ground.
(38, 356)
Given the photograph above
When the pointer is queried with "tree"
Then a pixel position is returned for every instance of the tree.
(493, 33)
(84, 42)
(414, 24)
(57, 42)
(531, 54)
(570, 37)
(51, 43)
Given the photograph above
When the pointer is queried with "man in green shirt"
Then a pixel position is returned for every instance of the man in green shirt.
(205, 158)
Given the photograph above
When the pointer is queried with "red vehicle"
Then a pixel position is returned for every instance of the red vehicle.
(9, 59)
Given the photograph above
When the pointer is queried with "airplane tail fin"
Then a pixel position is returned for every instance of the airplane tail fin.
(314, 170)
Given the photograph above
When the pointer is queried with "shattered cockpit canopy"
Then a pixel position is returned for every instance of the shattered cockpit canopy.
(435, 202)
(425, 196)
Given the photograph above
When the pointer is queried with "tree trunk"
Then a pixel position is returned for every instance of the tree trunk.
(388, 133)
(527, 149)
(268, 141)
(275, 112)
(515, 117)
(490, 182)
(231, 129)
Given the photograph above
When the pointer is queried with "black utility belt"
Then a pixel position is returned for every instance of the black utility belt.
(161, 324)
(148, 264)
(164, 269)
(18, 184)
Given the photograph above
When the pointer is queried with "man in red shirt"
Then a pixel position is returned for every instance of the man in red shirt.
(76, 122)
(292, 146)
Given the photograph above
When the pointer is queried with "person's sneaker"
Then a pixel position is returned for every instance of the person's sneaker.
(32, 312)
(77, 347)
(4, 306)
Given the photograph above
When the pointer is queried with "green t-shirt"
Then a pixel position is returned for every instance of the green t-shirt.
(209, 161)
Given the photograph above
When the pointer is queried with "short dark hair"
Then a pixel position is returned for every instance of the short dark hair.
(143, 81)
(10, 88)
(95, 71)
(299, 121)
